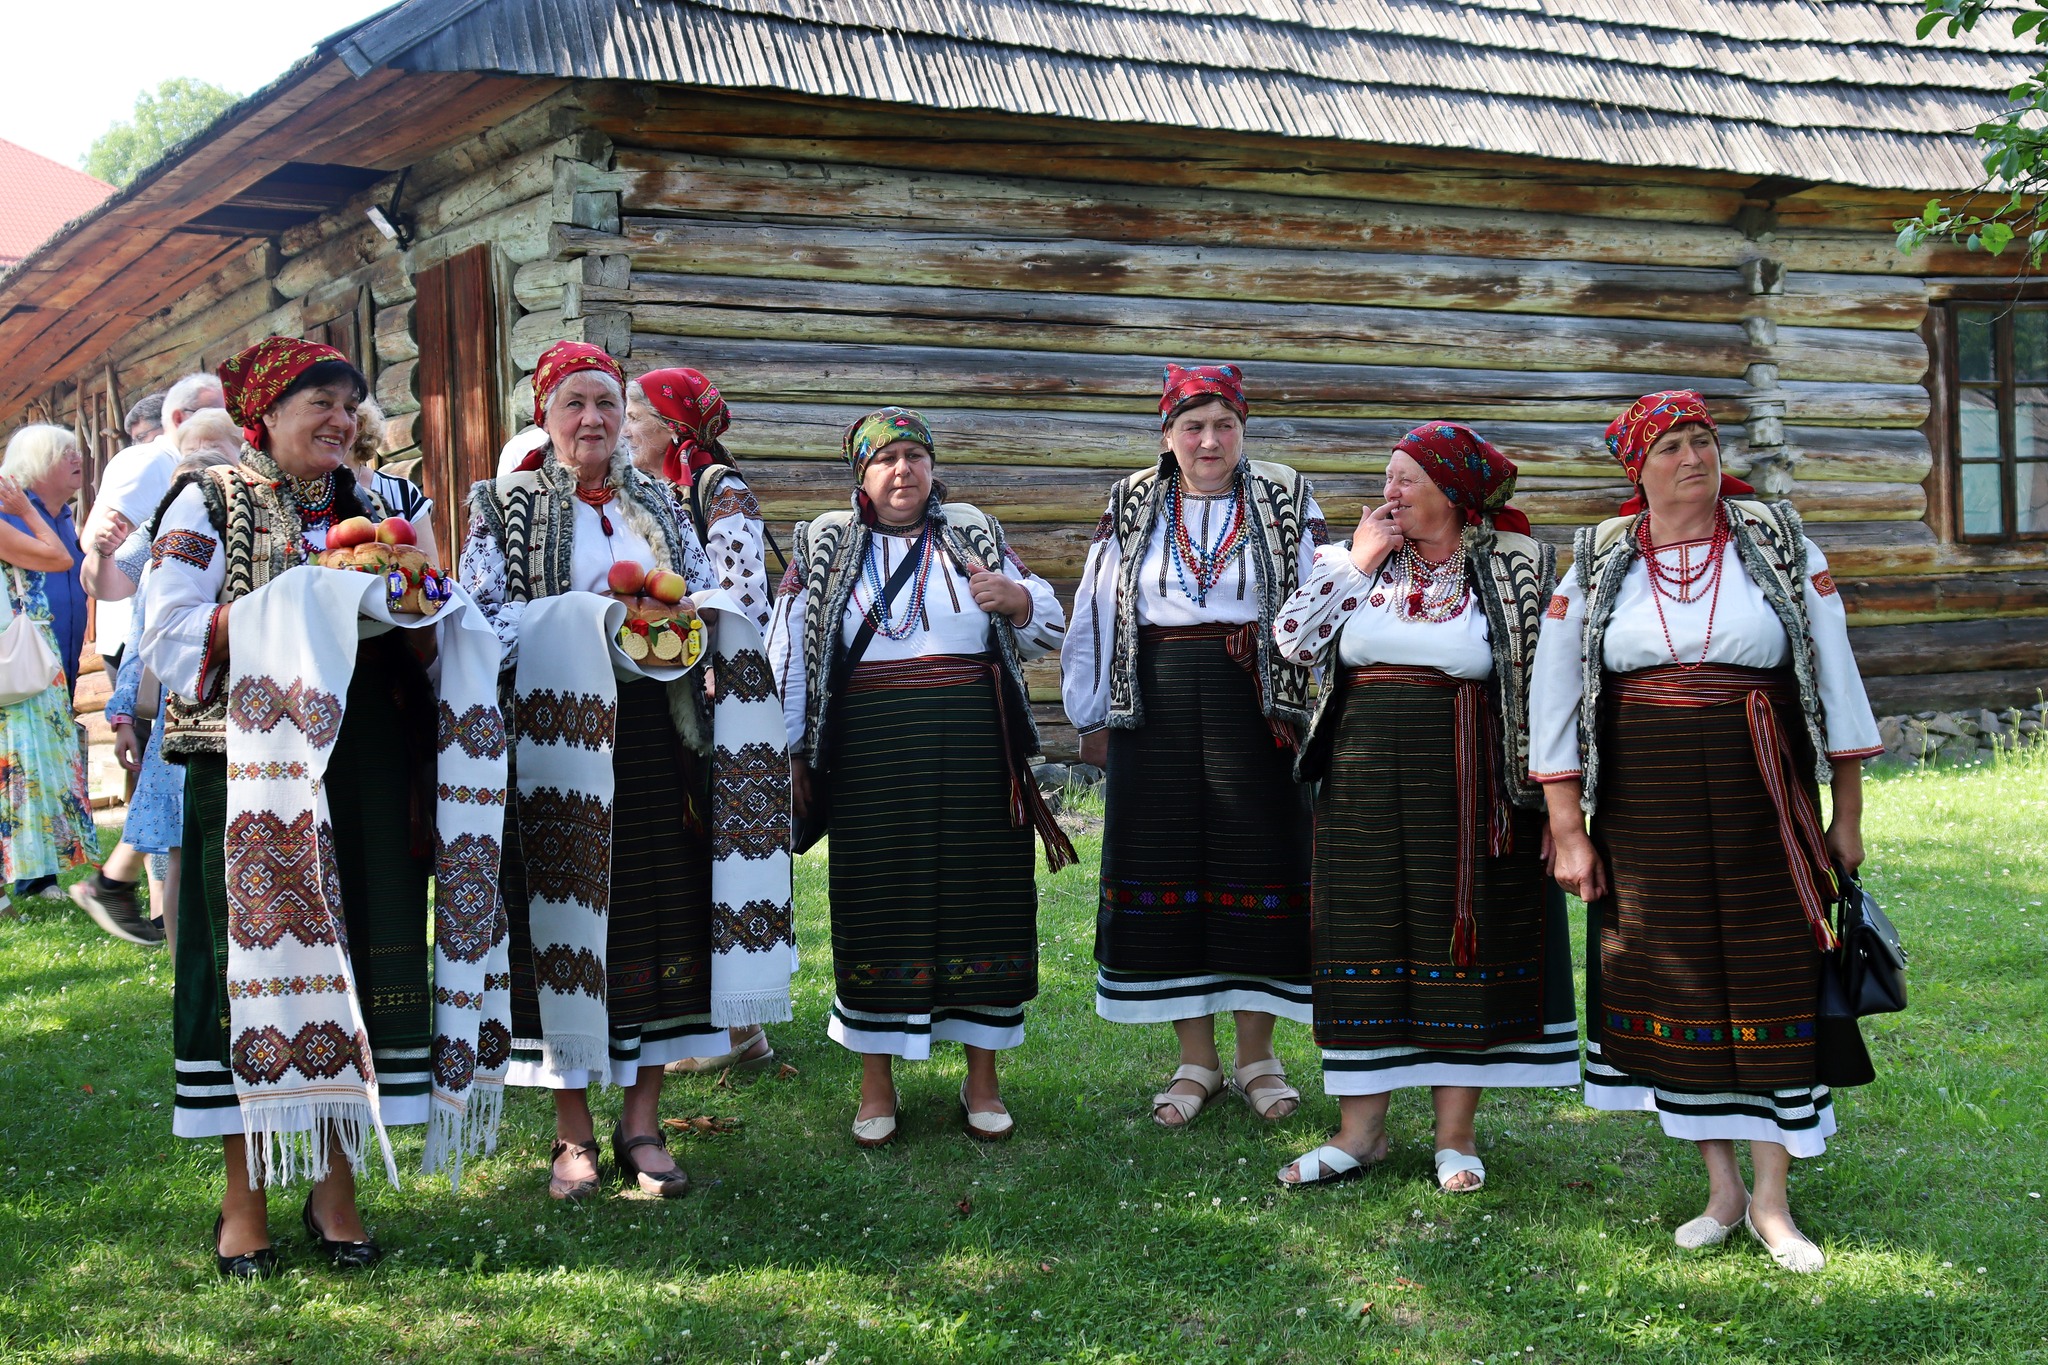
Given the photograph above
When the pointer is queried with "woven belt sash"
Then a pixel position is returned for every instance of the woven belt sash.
(1475, 751)
(1027, 803)
(1756, 689)
(1241, 643)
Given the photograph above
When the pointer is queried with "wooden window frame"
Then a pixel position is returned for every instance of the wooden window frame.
(2002, 298)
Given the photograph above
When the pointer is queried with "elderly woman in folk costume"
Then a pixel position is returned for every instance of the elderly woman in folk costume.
(321, 793)
(898, 638)
(1172, 677)
(673, 421)
(647, 846)
(1441, 954)
(1693, 684)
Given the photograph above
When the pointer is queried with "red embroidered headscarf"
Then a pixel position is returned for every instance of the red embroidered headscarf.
(690, 407)
(1477, 479)
(251, 381)
(1189, 384)
(1630, 436)
(563, 359)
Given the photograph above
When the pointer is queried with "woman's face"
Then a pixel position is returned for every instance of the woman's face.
(898, 481)
(1207, 440)
(1421, 511)
(66, 476)
(1683, 469)
(647, 434)
(583, 423)
(312, 431)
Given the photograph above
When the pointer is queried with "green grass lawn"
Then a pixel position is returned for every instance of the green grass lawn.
(1093, 1236)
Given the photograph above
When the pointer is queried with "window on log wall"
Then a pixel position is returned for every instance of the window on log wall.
(461, 420)
(2000, 432)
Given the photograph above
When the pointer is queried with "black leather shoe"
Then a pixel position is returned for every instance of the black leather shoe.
(665, 1185)
(259, 1264)
(341, 1255)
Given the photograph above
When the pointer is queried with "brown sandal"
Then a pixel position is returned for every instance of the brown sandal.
(558, 1188)
(666, 1185)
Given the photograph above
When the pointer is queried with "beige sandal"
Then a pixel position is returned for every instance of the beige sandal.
(1263, 1100)
(1187, 1106)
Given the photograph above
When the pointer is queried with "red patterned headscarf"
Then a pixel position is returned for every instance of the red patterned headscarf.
(252, 380)
(1188, 384)
(563, 359)
(1630, 436)
(1477, 479)
(690, 407)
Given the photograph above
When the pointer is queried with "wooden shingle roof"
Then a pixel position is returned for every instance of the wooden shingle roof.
(1826, 91)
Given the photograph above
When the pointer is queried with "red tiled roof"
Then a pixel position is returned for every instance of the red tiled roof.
(38, 196)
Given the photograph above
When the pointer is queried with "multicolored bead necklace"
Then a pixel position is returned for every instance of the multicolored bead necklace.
(871, 574)
(1189, 555)
(1687, 581)
(1433, 592)
(315, 497)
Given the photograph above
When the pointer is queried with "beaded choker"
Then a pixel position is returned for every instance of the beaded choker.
(1687, 580)
(596, 499)
(1190, 556)
(315, 498)
(1433, 592)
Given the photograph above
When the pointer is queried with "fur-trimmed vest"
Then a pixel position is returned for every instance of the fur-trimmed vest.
(827, 557)
(1769, 539)
(261, 535)
(1511, 577)
(1276, 502)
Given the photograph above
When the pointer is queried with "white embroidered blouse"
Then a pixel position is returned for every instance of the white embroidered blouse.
(1365, 617)
(1746, 633)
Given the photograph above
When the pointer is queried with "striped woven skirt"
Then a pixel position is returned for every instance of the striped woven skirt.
(1702, 963)
(1204, 899)
(657, 963)
(383, 898)
(1401, 827)
(934, 892)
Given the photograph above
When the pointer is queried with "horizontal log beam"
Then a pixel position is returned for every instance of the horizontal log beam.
(1833, 453)
(1911, 692)
(395, 340)
(1951, 646)
(1951, 597)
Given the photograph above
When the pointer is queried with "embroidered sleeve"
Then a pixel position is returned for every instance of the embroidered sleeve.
(1043, 633)
(1851, 728)
(483, 574)
(179, 599)
(786, 657)
(697, 570)
(736, 547)
(1085, 653)
(1311, 620)
(1556, 686)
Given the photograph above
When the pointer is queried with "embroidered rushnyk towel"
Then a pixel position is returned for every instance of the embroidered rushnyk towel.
(566, 696)
(298, 1046)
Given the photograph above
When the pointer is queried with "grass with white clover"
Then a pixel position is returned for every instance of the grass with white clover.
(1093, 1236)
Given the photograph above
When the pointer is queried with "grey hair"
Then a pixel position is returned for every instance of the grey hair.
(185, 395)
(148, 409)
(617, 392)
(33, 452)
(208, 428)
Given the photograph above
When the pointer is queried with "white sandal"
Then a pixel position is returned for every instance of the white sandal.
(1705, 1231)
(1326, 1165)
(1187, 1106)
(986, 1125)
(878, 1131)
(1798, 1254)
(1262, 1101)
(1450, 1162)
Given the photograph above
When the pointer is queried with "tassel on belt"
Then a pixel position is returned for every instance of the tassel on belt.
(1475, 756)
(1027, 803)
(1241, 643)
(1759, 690)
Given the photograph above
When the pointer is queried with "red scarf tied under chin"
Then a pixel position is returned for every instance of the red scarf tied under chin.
(690, 406)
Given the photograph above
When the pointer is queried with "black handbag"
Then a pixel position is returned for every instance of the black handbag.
(1863, 974)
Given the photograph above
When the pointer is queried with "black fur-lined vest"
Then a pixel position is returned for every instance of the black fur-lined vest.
(827, 557)
(1276, 500)
(1511, 577)
(1771, 543)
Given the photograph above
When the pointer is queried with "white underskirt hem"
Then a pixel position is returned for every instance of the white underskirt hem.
(1192, 997)
(910, 1036)
(1751, 1126)
(653, 1052)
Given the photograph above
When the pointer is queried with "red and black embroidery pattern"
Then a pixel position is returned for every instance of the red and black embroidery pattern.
(567, 971)
(281, 985)
(470, 796)
(189, 547)
(480, 731)
(750, 807)
(732, 501)
(744, 675)
(454, 1063)
(548, 717)
(493, 1045)
(568, 845)
(1559, 605)
(321, 1051)
(756, 927)
(466, 884)
(1824, 583)
(257, 704)
(273, 882)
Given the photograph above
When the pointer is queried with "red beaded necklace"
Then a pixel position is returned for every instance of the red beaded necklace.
(1687, 581)
(596, 498)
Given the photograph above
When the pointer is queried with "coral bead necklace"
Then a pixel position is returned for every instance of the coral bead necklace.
(596, 499)
(1686, 581)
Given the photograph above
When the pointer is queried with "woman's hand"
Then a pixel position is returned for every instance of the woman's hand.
(1576, 864)
(13, 501)
(1095, 749)
(998, 595)
(127, 752)
(800, 787)
(112, 532)
(1375, 539)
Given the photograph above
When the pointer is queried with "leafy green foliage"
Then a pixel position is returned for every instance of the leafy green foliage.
(1092, 1237)
(176, 110)
(2015, 155)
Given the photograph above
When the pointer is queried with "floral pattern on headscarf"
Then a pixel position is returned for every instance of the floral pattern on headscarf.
(251, 381)
(870, 433)
(690, 406)
(1477, 478)
(563, 359)
(1630, 436)
(1186, 384)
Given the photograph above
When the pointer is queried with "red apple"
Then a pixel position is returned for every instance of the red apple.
(396, 531)
(355, 531)
(626, 578)
(666, 585)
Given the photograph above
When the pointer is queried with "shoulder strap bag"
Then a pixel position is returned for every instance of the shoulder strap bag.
(1863, 974)
(28, 666)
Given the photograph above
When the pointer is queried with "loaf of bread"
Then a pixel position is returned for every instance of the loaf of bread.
(411, 582)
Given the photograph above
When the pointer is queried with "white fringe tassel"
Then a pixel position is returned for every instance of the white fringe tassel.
(291, 1140)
